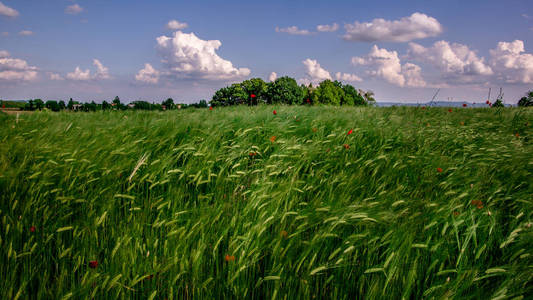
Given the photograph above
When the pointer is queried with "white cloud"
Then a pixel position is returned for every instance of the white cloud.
(315, 72)
(73, 9)
(101, 71)
(26, 32)
(347, 77)
(511, 63)
(14, 69)
(79, 74)
(148, 74)
(176, 25)
(453, 60)
(416, 26)
(8, 11)
(294, 30)
(413, 76)
(273, 76)
(55, 76)
(185, 55)
(387, 65)
(328, 28)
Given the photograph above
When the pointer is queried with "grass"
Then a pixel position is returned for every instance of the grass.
(241, 203)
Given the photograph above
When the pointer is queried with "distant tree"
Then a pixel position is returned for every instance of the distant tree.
(284, 90)
(169, 103)
(30, 105)
(39, 104)
(202, 103)
(52, 105)
(256, 87)
(368, 96)
(527, 100)
(70, 104)
(328, 92)
(62, 105)
(352, 96)
(106, 105)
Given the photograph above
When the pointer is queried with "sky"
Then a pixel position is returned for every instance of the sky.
(404, 51)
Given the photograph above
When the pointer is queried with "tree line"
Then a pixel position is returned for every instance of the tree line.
(285, 90)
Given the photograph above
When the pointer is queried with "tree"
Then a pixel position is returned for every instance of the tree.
(70, 104)
(352, 96)
(62, 105)
(39, 104)
(52, 105)
(254, 86)
(328, 92)
(169, 103)
(106, 105)
(368, 96)
(284, 90)
(527, 100)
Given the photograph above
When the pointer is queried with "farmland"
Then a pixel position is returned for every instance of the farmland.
(238, 202)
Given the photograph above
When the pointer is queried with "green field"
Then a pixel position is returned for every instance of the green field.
(241, 203)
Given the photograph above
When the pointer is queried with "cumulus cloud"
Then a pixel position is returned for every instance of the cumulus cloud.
(73, 9)
(185, 55)
(453, 60)
(14, 69)
(82, 75)
(511, 63)
(347, 77)
(387, 65)
(176, 25)
(314, 71)
(293, 30)
(55, 76)
(273, 76)
(101, 71)
(26, 32)
(328, 28)
(416, 26)
(8, 11)
(148, 74)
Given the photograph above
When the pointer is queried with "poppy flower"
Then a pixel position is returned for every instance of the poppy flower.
(487, 102)
(93, 264)
(517, 135)
(423, 107)
(32, 229)
(210, 107)
(456, 213)
(314, 129)
(229, 258)
(350, 132)
(439, 170)
(450, 110)
(275, 112)
(273, 138)
(284, 234)
(464, 104)
(252, 95)
(252, 154)
(477, 203)
(346, 146)
(308, 101)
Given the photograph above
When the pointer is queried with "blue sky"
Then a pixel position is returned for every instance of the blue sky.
(402, 50)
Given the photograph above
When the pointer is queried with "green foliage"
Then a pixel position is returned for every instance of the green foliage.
(169, 103)
(284, 90)
(39, 104)
(198, 204)
(527, 100)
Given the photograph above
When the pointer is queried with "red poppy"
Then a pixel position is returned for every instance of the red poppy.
(423, 107)
(314, 129)
(32, 229)
(284, 234)
(464, 104)
(456, 213)
(439, 170)
(93, 264)
(450, 110)
(350, 132)
(477, 203)
(517, 135)
(229, 258)
(252, 95)
(275, 112)
(210, 107)
(487, 102)
(346, 146)
(273, 138)
(308, 101)
(252, 154)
